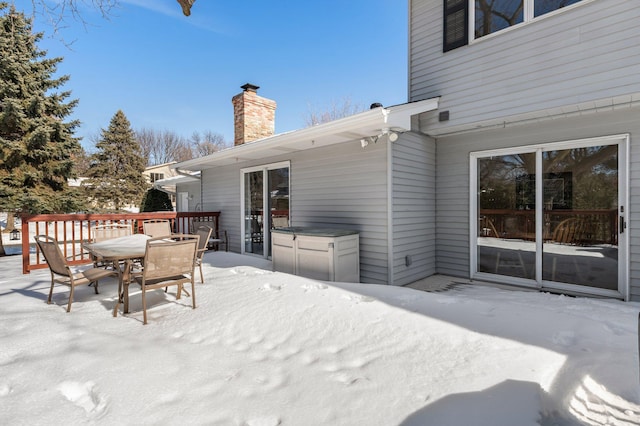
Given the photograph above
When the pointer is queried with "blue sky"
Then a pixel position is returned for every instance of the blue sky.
(171, 72)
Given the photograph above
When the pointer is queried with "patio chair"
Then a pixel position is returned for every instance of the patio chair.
(156, 228)
(204, 233)
(570, 231)
(216, 239)
(279, 222)
(107, 232)
(168, 263)
(58, 266)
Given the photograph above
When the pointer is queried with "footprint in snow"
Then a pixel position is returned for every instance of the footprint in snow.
(314, 286)
(271, 287)
(85, 396)
(5, 390)
(358, 299)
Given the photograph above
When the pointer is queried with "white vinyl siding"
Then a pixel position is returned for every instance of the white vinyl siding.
(342, 186)
(221, 192)
(414, 208)
(586, 53)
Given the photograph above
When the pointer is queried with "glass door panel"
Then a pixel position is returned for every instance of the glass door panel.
(253, 212)
(265, 205)
(278, 199)
(506, 215)
(580, 188)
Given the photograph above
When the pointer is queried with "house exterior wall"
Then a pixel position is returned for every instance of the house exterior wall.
(567, 75)
(342, 186)
(413, 201)
(587, 52)
(193, 189)
(452, 181)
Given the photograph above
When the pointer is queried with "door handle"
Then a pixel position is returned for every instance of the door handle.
(622, 225)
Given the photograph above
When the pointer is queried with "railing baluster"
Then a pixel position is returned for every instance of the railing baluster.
(51, 224)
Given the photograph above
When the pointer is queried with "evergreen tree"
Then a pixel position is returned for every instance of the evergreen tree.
(36, 144)
(155, 200)
(115, 174)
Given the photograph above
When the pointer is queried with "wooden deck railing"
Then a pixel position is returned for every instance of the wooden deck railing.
(71, 230)
(602, 225)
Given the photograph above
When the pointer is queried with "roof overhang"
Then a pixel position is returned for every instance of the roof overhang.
(173, 180)
(365, 124)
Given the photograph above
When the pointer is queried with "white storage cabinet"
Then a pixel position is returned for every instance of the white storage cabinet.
(321, 254)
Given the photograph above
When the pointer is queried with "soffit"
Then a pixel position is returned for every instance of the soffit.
(369, 123)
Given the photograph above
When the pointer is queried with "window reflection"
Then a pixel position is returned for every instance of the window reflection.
(506, 215)
(495, 15)
(545, 6)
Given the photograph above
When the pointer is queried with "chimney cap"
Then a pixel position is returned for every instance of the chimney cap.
(250, 87)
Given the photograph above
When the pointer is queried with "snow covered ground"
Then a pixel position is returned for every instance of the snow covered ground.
(266, 348)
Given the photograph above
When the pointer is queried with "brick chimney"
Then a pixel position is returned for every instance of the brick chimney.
(253, 115)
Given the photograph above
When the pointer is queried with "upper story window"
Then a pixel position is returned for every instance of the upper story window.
(490, 16)
(156, 176)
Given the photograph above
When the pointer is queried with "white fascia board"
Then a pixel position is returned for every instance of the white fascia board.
(175, 180)
(368, 123)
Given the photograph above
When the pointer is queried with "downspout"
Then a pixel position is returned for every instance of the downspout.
(390, 254)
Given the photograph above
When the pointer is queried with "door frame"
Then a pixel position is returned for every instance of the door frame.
(266, 236)
(622, 140)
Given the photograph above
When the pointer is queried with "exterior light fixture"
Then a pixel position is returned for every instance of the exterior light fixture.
(14, 235)
(392, 135)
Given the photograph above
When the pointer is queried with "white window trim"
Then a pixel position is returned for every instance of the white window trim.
(623, 140)
(527, 19)
(264, 168)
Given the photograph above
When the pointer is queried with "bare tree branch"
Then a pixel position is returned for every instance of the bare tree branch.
(207, 143)
(336, 110)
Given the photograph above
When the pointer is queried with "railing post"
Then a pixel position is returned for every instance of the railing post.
(26, 264)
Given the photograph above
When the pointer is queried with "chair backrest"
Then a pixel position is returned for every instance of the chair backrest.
(204, 233)
(170, 258)
(210, 223)
(569, 231)
(53, 255)
(279, 222)
(156, 228)
(110, 231)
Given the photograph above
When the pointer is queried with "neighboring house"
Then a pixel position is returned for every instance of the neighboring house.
(514, 161)
(162, 172)
(185, 189)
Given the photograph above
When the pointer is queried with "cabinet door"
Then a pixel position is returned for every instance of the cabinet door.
(315, 258)
(283, 253)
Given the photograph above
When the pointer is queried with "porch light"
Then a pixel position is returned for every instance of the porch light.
(14, 234)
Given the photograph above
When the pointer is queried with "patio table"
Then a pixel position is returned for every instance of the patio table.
(122, 249)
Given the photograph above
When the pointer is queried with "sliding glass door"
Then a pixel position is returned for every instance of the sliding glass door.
(265, 205)
(552, 216)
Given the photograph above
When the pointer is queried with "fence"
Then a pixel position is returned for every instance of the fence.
(72, 230)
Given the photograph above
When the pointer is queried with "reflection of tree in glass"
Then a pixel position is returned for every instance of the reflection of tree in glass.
(594, 174)
(494, 15)
(497, 178)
